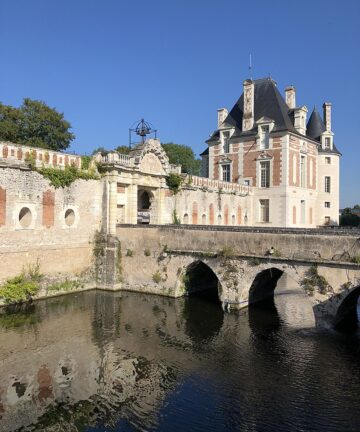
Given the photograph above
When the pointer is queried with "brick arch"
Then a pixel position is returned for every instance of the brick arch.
(211, 214)
(194, 218)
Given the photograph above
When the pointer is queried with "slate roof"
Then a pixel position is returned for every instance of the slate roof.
(315, 126)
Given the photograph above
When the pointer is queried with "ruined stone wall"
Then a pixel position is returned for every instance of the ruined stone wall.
(54, 226)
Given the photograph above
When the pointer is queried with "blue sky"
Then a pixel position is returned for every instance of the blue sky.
(108, 63)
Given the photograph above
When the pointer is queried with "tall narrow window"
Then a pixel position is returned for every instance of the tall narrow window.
(328, 160)
(264, 210)
(226, 142)
(327, 143)
(226, 172)
(265, 174)
(264, 139)
(302, 172)
(327, 184)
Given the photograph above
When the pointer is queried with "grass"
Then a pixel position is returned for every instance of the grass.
(156, 277)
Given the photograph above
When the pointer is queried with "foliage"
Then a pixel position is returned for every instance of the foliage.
(314, 280)
(254, 261)
(147, 252)
(19, 289)
(123, 149)
(18, 319)
(349, 219)
(182, 155)
(101, 150)
(85, 162)
(64, 177)
(174, 182)
(129, 253)
(35, 124)
(226, 252)
(31, 160)
(355, 259)
(156, 277)
(66, 285)
(176, 219)
(34, 271)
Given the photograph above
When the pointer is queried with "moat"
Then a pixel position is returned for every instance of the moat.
(101, 361)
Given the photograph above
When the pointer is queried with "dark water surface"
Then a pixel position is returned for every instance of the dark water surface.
(100, 362)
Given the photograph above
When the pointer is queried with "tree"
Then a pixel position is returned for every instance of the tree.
(183, 155)
(35, 124)
(123, 149)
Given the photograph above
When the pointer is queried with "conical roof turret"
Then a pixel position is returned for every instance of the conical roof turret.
(315, 126)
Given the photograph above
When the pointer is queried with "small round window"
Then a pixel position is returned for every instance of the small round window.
(69, 217)
(25, 217)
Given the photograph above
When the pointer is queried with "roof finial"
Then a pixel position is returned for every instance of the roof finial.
(250, 66)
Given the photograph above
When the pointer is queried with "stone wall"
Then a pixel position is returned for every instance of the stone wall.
(53, 226)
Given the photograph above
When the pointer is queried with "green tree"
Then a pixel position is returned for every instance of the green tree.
(101, 150)
(182, 155)
(35, 124)
(348, 219)
(123, 149)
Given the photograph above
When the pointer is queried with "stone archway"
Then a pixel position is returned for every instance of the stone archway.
(346, 318)
(201, 281)
(144, 206)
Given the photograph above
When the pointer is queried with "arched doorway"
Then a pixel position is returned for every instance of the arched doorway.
(348, 314)
(144, 207)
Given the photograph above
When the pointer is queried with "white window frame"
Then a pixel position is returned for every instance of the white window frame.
(223, 172)
(262, 163)
(302, 171)
(264, 136)
(264, 210)
(327, 184)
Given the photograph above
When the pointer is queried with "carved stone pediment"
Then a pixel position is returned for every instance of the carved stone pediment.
(150, 157)
(225, 160)
(264, 156)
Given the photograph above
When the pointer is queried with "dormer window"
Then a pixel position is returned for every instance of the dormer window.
(264, 137)
(327, 143)
(226, 142)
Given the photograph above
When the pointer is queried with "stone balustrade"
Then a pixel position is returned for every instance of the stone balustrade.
(18, 154)
(204, 182)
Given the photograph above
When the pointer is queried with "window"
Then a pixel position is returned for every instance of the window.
(328, 160)
(265, 174)
(327, 143)
(264, 210)
(226, 172)
(247, 182)
(327, 204)
(302, 171)
(226, 142)
(327, 220)
(264, 139)
(327, 184)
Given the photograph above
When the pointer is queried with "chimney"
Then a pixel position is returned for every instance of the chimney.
(290, 97)
(248, 116)
(327, 116)
(222, 114)
(300, 119)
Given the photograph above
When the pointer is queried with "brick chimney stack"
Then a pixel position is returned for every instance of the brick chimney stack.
(290, 97)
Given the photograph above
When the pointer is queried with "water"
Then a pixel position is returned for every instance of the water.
(100, 362)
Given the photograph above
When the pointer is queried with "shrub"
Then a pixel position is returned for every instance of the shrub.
(227, 252)
(314, 280)
(147, 252)
(355, 259)
(67, 285)
(176, 219)
(19, 289)
(156, 277)
(129, 253)
(174, 182)
(64, 177)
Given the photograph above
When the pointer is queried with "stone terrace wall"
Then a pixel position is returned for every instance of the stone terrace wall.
(55, 226)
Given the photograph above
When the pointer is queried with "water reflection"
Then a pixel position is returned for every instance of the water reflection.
(137, 362)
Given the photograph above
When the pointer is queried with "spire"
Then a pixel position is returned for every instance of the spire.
(315, 126)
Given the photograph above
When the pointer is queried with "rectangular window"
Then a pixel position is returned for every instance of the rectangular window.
(247, 182)
(327, 184)
(264, 210)
(327, 220)
(264, 139)
(265, 174)
(226, 142)
(302, 172)
(328, 160)
(327, 143)
(327, 204)
(226, 172)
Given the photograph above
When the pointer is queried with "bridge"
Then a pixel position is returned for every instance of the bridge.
(242, 265)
